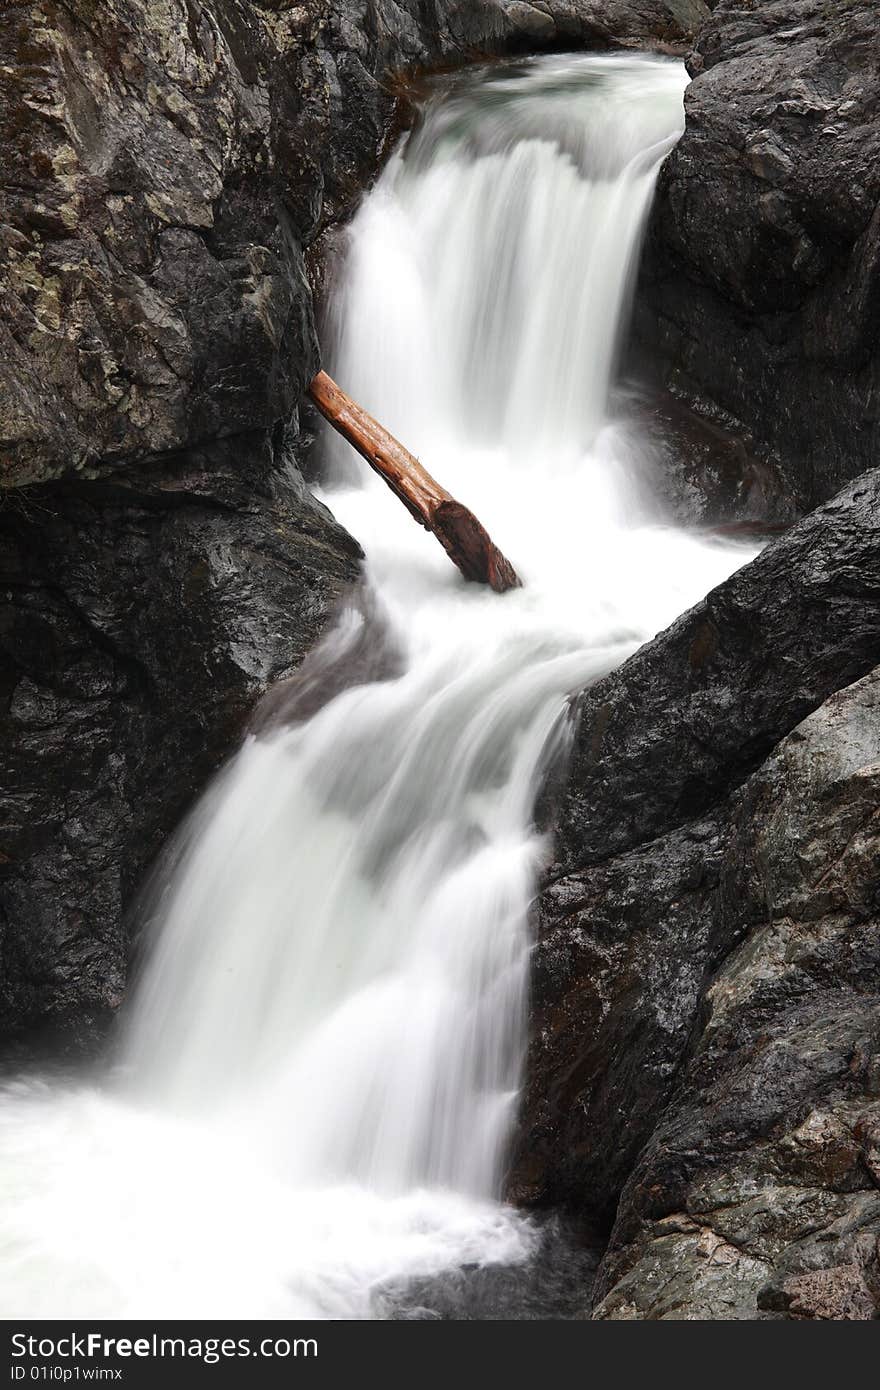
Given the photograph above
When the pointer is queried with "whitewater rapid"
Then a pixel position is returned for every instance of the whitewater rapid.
(317, 1076)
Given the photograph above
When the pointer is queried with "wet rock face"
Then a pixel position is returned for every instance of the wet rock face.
(618, 970)
(140, 618)
(762, 273)
(706, 476)
(165, 164)
(153, 281)
(705, 1028)
(758, 1192)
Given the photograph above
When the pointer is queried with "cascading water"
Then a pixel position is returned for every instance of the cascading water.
(320, 1067)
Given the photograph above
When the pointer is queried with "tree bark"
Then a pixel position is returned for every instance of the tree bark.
(457, 529)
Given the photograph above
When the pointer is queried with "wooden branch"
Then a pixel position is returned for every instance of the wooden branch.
(457, 529)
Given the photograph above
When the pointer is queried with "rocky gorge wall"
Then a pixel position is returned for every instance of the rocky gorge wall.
(165, 166)
(703, 1079)
(704, 1072)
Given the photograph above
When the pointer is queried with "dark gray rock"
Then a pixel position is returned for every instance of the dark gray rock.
(623, 23)
(758, 1193)
(694, 712)
(762, 270)
(153, 286)
(164, 165)
(706, 475)
(642, 904)
(706, 1038)
(618, 970)
(140, 618)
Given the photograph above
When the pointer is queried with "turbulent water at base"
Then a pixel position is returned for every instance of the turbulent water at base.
(319, 1071)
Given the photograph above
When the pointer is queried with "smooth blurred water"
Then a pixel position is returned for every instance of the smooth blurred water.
(320, 1068)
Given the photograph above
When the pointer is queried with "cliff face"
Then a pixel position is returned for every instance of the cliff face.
(142, 618)
(761, 285)
(758, 1192)
(161, 560)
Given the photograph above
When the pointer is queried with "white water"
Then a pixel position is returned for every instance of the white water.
(319, 1072)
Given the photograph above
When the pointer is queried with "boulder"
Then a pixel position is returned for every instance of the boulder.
(142, 617)
(704, 1054)
(696, 710)
(759, 296)
(630, 919)
(757, 1195)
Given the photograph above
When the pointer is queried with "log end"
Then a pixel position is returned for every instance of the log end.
(465, 541)
(470, 547)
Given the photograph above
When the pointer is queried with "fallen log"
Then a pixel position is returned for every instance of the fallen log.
(465, 541)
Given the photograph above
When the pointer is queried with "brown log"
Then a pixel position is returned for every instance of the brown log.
(457, 529)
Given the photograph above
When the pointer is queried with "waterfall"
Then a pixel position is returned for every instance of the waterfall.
(319, 1070)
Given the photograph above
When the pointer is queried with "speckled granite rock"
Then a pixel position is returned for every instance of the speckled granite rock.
(758, 1194)
(165, 163)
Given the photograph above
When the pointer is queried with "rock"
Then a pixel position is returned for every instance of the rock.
(689, 1274)
(839, 1294)
(781, 155)
(706, 1037)
(141, 616)
(694, 712)
(705, 472)
(604, 22)
(158, 333)
(767, 1136)
(617, 976)
(162, 175)
(533, 24)
(153, 281)
(628, 923)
